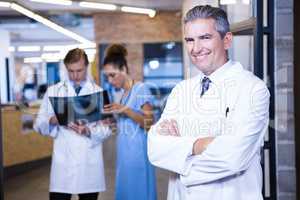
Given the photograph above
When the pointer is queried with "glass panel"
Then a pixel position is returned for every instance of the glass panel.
(164, 83)
(265, 23)
(163, 69)
(265, 65)
(163, 66)
(267, 135)
(238, 10)
(267, 173)
(242, 50)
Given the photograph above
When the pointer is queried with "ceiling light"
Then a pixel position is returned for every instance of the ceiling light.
(51, 60)
(29, 48)
(170, 45)
(102, 6)
(52, 56)
(146, 11)
(11, 49)
(53, 48)
(33, 60)
(80, 46)
(226, 2)
(4, 4)
(59, 2)
(49, 23)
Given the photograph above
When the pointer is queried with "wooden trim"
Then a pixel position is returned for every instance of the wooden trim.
(1, 155)
(245, 27)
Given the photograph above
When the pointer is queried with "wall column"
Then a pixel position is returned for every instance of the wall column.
(284, 100)
(4, 54)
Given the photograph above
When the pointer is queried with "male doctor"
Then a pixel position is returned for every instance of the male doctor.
(212, 128)
(77, 163)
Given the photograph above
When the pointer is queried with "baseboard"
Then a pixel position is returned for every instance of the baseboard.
(18, 169)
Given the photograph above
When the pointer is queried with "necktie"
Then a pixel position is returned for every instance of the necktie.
(205, 85)
(77, 89)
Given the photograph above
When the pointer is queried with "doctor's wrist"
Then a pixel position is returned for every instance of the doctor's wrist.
(201, 144)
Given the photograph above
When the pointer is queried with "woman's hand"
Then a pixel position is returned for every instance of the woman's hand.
(115, 108)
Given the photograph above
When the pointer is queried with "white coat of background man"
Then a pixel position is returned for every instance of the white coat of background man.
(77, 160)
(212, 128)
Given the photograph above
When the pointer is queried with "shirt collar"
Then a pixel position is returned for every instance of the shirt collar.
(73, 84)
(224, 72)
(220, 73)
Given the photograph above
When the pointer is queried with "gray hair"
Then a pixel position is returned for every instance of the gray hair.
(208, 12)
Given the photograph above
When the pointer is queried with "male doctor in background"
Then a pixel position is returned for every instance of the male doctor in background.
(212, 128)
(77, 160)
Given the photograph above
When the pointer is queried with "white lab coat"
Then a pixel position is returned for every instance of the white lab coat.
(77, 161)
(235, 111)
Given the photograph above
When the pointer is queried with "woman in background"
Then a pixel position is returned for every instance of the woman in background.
(135, 176)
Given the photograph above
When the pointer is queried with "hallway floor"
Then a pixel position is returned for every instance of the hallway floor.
(33, 185)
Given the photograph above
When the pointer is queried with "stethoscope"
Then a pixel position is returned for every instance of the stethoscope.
(67, 84)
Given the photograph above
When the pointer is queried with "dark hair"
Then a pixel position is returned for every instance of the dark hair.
(116, 55)
(75, 55)
(208, 12)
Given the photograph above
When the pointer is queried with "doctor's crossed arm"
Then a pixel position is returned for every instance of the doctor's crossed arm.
(170, 127)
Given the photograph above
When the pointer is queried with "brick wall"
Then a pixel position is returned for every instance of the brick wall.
(134, 30)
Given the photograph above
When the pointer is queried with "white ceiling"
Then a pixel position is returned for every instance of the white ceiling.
(155, 4)
(24, 31)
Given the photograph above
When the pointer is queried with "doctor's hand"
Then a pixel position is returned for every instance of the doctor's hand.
(80, 128)
(115, 108)
(168, 127)
(201, 144)
(53, 120)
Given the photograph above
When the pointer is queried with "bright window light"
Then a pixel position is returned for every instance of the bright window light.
(102, 6)
(90, 51)
(91, 58)
(11, 49)
(29, 48)
(226, 2)
(33, 60)
(59, 2)
(246, 2)
(146, 11)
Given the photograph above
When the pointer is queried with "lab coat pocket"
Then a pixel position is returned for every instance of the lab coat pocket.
(93, 155)
(59, 152)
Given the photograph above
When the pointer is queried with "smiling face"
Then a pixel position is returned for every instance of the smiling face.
(114, 76)
(206, 48)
